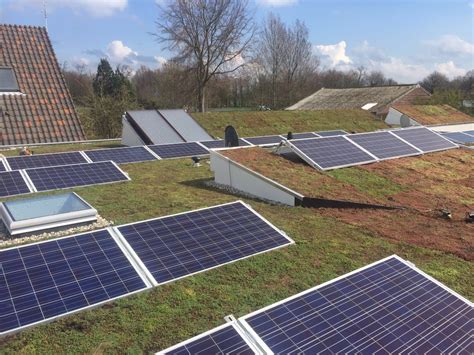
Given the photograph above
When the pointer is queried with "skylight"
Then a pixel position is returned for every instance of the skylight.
(368, 106)
(8, 81)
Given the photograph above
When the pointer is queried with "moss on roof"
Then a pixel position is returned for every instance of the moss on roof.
(434, 114)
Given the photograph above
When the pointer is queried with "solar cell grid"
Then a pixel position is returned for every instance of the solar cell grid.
(2, 166)
(424, 139)
(49, 279)
(383, 145)
(43, 160)
(60, 177)
(330, 152)
(221, 340)
(220, 143)
(178, 150)
(388, 307)
(265, 140)
(121, 155)
(177, 246)
(12, 183)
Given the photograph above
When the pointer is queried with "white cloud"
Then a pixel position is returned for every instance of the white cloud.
(450, 69)
(452, 45)
(98, 8)
(117, 51)
(401, 71)
(336, 53)
(277, 3)
(160, 60)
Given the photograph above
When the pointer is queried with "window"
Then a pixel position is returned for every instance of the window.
(8, 81)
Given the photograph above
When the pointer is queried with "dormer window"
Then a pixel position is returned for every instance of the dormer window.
(8, 83)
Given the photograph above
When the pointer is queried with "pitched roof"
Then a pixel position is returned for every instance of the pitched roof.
(433, 114)
(43, 110)
(353, 98)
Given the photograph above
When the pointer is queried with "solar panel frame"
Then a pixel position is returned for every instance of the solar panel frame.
(313, 163)
(470, 132)
(220, 144)
(396, 132)
(186, 347)
(150, 275)
(68, 158)
(253, 333)
(202, 151)
(123, 251)
(16, 180)
(265, 141)
(39, 188)
(459, 137)
(374, 152)
(92, 154)
(331, 133)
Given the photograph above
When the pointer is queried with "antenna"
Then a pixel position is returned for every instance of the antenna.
(45, 13)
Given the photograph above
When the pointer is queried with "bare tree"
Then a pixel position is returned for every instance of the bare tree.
(210, 36)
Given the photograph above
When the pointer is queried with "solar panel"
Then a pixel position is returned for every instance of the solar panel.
(337, 132)
(387, 307)
(471, 133)
(383, 145)
(225, 339)
(329, 152)
(220, 143)
(43, 160)
(178, 150)
(2, 166)
(177, 246)
(121, 155)
(12, 183)
(303, 135)
(424, 139)
(459, 137)
(53, 278)
(265, 140)
(62, 177)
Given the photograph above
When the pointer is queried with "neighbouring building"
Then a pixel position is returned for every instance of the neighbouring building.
(35, 103)
(425, 115)
(376, 100)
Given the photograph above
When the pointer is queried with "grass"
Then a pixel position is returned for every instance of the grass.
(152, 320)
(279, 122)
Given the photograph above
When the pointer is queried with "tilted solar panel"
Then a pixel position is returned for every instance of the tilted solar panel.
(337, 132)
(43, 160)
(12, 183)
(225, 339)
(45, 280)
(62, 177)
(121, 155)
(387, 307)
(178, 150)
(265, 140)
(330, 152)
(383, 145)
(459, 137)
(424, 139)
(302, 135)
(220, 143)
(177, 246)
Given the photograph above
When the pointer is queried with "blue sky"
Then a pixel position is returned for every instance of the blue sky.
(404, 39)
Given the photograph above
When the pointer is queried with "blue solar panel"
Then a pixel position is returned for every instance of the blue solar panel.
(221, 340)
(220, 143)
(424, 139)
(385, 308)
(53, 278)
(337, 132)
(302, 135)
(459, 137)
(178, 150)
(61, 177)
(2, 166)
(383, 145)
(121, 155)
(43, 160)
(471, 133)
(177, 246)
(265, 140)
(12, 183)
(330, 152)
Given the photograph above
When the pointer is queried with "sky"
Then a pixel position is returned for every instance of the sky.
(405, 39)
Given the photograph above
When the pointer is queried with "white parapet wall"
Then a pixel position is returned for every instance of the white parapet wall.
(460, 127)
(230, 173)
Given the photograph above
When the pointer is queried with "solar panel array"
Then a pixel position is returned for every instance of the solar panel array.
(43, 160)
(12, 183)
(220, 143)
(221, 340)
(265, 140)
(460, 137)
(384, 308)
(53, 278)
(66, 176)
(121, 155)
(177, 246)
(424, 139)
(178, 150)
